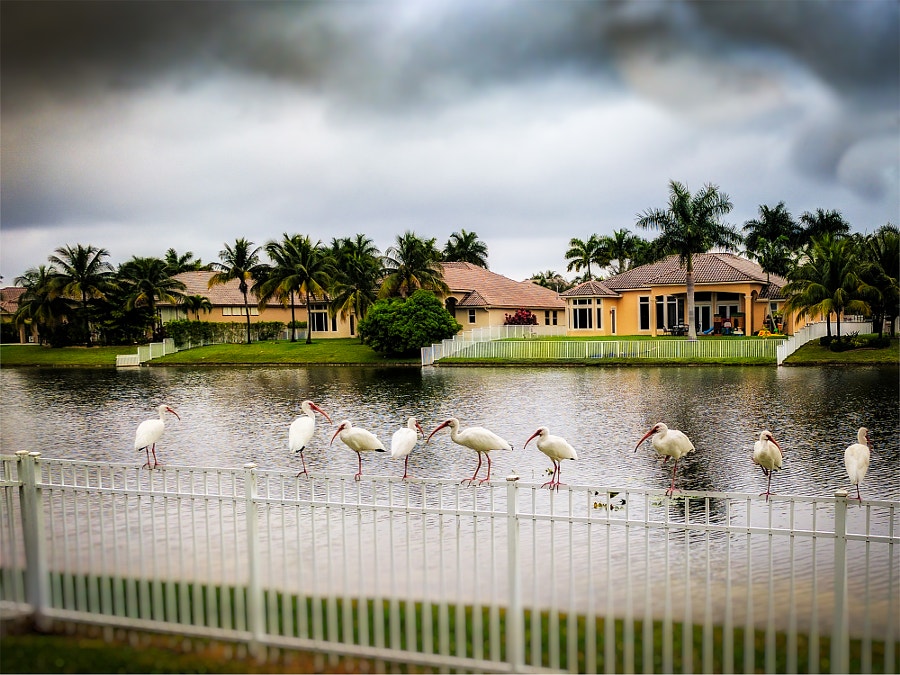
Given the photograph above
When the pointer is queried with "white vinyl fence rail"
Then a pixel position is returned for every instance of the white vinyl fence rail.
(651, 350)
(464, 339)
(814, 331)
(504, 577)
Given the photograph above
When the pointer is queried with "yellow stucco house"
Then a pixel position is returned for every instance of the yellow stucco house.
(652, 299)
(228, 306)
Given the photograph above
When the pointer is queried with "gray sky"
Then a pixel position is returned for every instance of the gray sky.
(139, 126)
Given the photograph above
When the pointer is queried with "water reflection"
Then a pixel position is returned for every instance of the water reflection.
(231, 416)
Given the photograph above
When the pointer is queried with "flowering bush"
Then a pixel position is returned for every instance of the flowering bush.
(522, 317)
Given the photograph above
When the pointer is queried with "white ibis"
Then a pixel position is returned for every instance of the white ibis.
(856, 459)
(556, 448)
(478, 439)
(359, 440)
(150, 431)
(404, 440)
(668, 443)
(302, 430)
(767, 454)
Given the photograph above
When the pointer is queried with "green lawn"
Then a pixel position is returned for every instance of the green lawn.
(349, 351)
(811, 354)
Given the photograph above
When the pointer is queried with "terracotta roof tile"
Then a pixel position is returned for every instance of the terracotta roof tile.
(9, 299)
(709, 268)
(483, 288)
(229, 294)
(592, 289)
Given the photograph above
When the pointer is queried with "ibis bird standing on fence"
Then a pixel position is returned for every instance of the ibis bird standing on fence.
(856, 459)
(556, 448)
(359, 440)
(479, 439)
(404, 440)
(150, 431)
(668, 443)
(302, 429)
(767, 454)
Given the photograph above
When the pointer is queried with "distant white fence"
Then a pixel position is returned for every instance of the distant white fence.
(819, 329)
(505, 577)
(763, 348)
(146, 352)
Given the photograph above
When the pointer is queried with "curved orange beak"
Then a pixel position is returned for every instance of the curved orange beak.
(319, 410)
(534, 435)
(440, 426)
(339, 429)
(173, 412)
(644, 438)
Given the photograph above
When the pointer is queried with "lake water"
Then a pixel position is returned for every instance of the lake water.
(230, 416)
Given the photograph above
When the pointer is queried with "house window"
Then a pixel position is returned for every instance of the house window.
(581, 313)
(644, 312)
(555, 320)
(669, 311)
(471, 316)
(318, 319)
(599, 314)
(547, 317)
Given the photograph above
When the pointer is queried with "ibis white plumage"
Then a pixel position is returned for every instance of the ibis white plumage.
(668, 443)
(149, 432)
(556, 448)
(302, 429)
(856, 459)
(479, 439)
(767, 454)
(359, 440)
(404, 440)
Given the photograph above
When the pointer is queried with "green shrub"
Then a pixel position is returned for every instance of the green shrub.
(399, 327)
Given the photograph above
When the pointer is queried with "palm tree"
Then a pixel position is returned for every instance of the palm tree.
(147, 281)
(621, 248)
(466, 247)
(552, 280)
(582, 254)
(182, 263)
(300, 267)
(196, 304)
(827, 281)
(82, 273)
(690, 224)
(881, 273)
(40, 303)
(411, 264)
(770, 238)
(819, 223)
(240, 262)
(357, 272)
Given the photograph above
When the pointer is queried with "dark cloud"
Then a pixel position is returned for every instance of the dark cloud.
(444, 111)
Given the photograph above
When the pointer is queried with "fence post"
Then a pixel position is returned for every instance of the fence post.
(31, 499)
(515, 628)
(840, 641)
(254, 586)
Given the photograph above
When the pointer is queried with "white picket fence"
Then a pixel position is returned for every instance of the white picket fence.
(503, 577)
(146, 352)
(814, 331)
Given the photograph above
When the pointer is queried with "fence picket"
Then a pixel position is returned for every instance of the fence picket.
(224, 572)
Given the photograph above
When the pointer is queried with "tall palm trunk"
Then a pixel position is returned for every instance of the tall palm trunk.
(247, 313)
(293, 320)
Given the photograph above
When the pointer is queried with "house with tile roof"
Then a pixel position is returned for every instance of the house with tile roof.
(9, 305)
(652, 299)
(480, 298)
(228, 306)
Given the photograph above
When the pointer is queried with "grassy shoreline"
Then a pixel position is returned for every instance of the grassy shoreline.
(349, 352)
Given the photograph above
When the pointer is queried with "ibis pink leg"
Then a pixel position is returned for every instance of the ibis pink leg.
(768, 486)
(303, 461)
(474, 475)
(358, 473)
(671, 489)
(858, 496)
(488, 479)
(405, 467)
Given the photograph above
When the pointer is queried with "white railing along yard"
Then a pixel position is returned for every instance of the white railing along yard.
(503, 577)
(819, 329)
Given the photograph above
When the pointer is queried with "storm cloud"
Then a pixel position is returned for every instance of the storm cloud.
(143, 125)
